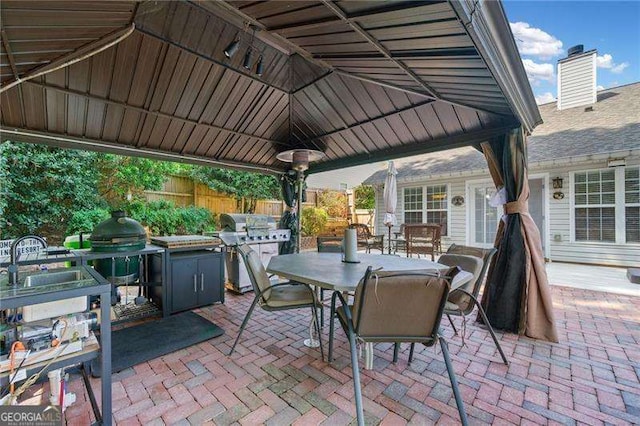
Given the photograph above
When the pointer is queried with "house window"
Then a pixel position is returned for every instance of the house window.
(595, 206)
(632, 204)
(437, 206)
(413, 198)
(607, 205)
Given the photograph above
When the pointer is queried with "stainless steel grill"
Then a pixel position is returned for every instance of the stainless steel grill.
(258, 230)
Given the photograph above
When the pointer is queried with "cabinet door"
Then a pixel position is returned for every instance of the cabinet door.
(210, 280)
(184, 284)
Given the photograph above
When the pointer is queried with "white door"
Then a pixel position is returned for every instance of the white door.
(483, 219)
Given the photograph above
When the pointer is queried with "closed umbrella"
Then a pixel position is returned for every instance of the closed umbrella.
(390, 199)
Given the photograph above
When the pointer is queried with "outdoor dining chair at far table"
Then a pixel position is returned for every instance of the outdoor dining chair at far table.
(327, 271)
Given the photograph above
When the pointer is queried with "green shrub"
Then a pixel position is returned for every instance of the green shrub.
(86, 220)
(313, 221)
(164, 218)
(161, 217)
(365, 197)
(334, 202)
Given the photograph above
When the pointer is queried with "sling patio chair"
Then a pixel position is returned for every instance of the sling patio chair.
(366, 239)
(462, 300)
(422, 239)
(396, 307)
(275, 297)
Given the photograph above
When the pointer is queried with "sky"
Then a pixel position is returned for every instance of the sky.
(545, 30)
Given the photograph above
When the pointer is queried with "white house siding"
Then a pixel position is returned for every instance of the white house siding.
(561, 248)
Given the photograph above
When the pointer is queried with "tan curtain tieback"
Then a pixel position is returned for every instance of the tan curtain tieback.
(514, 207)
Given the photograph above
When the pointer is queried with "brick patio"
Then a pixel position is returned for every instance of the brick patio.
(590, 377)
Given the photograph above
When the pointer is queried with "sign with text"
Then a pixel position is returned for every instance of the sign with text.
(25, 247)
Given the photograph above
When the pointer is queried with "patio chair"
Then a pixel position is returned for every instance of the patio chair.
(400, 240)
(395, 307)
(422, 239)
(275, 297)
(366, 239)
(327, 245)
(462, 300)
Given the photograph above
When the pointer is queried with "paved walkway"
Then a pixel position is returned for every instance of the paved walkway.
(590, 377)
(599, 278)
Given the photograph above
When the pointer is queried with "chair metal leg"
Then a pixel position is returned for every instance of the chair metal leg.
(244, 323)
(454, 382)
(396, 349)
(455, 330)
(321, 308)
(315, 320)
(493, 334)
(332, 315)
(356, 378)
(413, 346)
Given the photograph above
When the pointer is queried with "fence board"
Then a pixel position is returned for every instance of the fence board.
(183, 192)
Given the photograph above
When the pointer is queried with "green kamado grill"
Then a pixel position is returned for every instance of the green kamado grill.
(118, 235)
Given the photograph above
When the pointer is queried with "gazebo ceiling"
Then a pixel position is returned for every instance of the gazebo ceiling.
(362, 80)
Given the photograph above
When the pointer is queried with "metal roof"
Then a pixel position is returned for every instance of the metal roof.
(609, 126)
(360, 80)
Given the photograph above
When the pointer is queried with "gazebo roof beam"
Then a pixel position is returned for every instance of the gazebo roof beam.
(154, 113)
(370, 120)
(74, 142)
(379, 11)
(373, 41)
(439, 144)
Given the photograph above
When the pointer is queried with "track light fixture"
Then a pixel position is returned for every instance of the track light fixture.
(247, 59)
(232, 48)
(259, 67)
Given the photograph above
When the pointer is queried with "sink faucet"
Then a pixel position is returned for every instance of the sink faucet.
(13, 266)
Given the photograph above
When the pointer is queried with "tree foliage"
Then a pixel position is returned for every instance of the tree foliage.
(314, 220)
(334, 202)
(44, 187)
(246, 187)
(365, 197)
(123, 176)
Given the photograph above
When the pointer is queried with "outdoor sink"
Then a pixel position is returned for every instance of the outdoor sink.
(51, 281)
(63, 276)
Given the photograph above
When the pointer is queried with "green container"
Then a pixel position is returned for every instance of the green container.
(118, 235)
(73, 242)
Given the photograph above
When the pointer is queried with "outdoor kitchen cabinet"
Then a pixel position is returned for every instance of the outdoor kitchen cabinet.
(194, 279)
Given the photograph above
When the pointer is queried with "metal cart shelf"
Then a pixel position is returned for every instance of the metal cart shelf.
(11, 298)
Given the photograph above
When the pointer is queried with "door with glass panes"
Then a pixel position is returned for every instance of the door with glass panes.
(483, 219)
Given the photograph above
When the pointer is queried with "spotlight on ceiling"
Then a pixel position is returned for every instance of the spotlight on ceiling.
(259, 67)
(232, 48)
(247, 60)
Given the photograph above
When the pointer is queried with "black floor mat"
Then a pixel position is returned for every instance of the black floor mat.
(133, 345)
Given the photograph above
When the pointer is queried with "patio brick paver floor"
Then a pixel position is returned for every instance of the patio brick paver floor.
(590, 377)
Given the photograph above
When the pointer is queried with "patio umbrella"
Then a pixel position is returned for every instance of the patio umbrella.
(289, 219)
(390, 199)
(517, 297)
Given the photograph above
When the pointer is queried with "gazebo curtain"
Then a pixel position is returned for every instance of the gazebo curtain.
(517, 297)
(289, 219)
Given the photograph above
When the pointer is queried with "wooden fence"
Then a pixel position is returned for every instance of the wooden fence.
(183, 191)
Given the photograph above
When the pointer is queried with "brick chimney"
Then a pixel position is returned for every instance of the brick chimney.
(577, 78)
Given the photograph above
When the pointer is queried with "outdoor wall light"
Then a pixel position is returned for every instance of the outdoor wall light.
(557, 183)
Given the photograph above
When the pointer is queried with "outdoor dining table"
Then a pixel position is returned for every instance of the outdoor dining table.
(328, 271)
